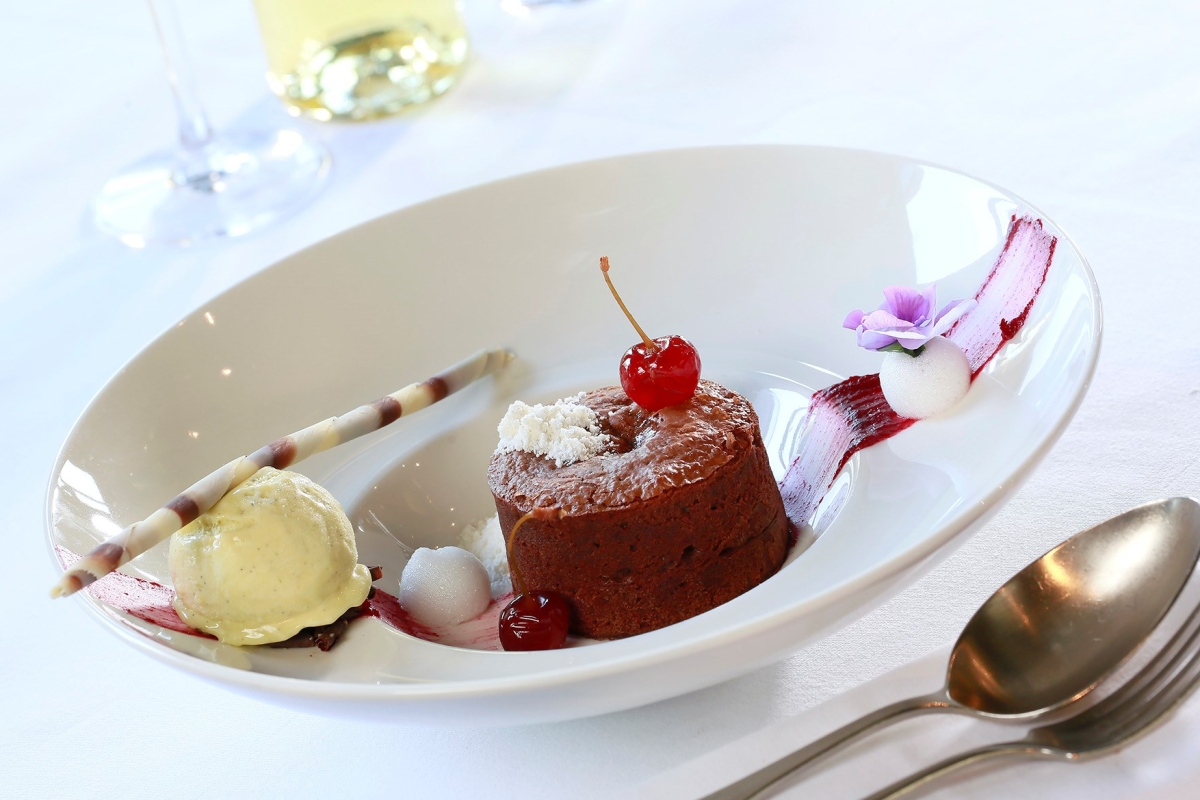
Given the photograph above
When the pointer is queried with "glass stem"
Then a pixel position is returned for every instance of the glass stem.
(194, 129)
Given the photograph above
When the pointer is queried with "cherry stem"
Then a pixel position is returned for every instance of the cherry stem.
(537, 513)
(650, 346)
(518, 581)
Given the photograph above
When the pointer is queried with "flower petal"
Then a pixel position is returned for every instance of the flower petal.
(906, 317)
(906, 303)
(950, 314)
(912, 335)
(873, 340)
(929, 295)
(882, 320)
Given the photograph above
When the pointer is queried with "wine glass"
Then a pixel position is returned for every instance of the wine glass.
(210, 185)
(361, 60)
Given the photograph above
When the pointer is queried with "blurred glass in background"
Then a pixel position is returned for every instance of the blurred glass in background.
(209, 185)
(360, 59)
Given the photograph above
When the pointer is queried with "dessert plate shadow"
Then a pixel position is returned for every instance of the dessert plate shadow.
(754, 253)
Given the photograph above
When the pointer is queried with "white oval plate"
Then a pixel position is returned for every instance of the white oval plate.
(754, 253)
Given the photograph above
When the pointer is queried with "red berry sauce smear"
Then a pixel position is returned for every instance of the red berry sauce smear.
(137, 597)
(151, 602)
(1007, 295)
(848, 416)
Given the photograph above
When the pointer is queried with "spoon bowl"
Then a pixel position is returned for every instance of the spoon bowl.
(1066, 621)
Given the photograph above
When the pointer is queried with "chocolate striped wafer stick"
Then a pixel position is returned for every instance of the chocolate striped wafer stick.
(281, 453)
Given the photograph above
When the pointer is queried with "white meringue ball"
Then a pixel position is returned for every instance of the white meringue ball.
(444, 586)
(928, 384)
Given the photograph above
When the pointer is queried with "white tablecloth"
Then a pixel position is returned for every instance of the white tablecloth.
(1091, 111)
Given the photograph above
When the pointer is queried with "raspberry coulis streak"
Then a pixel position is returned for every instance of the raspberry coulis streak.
(1004, 301)
(387, 609)
(152, 602)
(137, 597)
(853, 414)
(842, 420)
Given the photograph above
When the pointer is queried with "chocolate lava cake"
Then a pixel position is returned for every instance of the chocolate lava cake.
(678, 515)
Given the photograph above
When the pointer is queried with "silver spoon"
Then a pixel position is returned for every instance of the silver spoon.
(1132, 710)
(1050, 634)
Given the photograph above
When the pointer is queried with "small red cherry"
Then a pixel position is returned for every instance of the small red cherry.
(666, 377)
(535, 621)
(660, 372)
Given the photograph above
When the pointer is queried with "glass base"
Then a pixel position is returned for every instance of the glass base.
(235, 184)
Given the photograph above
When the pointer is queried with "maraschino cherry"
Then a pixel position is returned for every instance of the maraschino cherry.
(656, 373)
(533, 620)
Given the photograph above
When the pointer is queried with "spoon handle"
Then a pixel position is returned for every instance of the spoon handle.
(755, 783)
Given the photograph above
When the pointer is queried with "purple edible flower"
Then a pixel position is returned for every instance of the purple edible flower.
(905, 319)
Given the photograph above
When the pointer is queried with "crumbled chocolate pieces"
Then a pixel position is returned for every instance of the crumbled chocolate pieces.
(324, 637)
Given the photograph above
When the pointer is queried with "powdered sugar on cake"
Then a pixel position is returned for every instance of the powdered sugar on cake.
(565, 432)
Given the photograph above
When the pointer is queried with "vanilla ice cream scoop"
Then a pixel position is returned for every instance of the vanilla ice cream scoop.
(273, 556)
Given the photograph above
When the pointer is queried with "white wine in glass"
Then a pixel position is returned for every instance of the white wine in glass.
(360, 59)
(210, 185)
